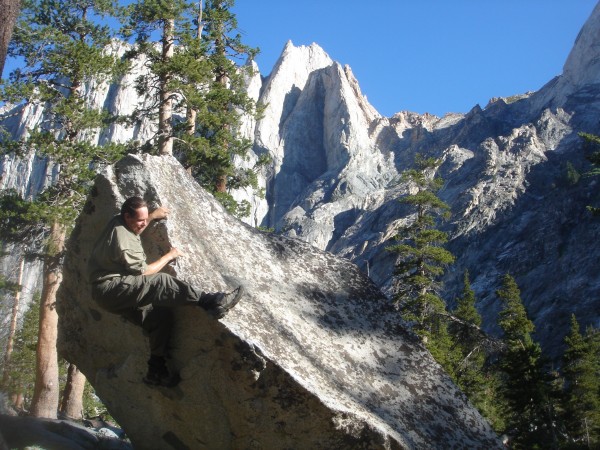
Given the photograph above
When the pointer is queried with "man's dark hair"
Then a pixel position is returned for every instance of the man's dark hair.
(131, 205)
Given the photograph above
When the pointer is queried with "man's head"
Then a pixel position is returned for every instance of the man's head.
(134, 213)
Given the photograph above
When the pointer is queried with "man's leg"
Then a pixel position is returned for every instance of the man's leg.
(160, 290)
(165, 290)
(132, 297)
(154, 295)
(158, 323)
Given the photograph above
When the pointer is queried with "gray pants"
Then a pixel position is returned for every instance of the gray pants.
(147, 301)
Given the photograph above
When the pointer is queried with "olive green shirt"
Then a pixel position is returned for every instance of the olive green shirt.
(117, 252)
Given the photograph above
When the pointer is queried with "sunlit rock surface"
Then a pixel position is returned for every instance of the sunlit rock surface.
(312, 357)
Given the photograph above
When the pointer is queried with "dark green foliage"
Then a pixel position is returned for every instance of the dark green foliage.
(528, 389)
(468, 337)
(513, 318)
(421, 256)
(21, 372)
(20, 378)
(63, 46)
(7, 285)
(592, 149)
(215, 144)
(467, 312)
(23, 221)
(205, 78)
(473, 347)
(64, 49)
(581, 371)
(93, 406)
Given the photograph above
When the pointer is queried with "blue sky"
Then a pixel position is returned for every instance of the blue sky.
(431, 56)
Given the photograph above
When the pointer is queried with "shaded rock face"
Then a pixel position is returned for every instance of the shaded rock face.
(313, 356)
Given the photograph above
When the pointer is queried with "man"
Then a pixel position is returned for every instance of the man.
(124, 283)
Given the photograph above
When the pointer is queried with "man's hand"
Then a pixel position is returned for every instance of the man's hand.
(165, 259)
(159, 213)
(174, 253)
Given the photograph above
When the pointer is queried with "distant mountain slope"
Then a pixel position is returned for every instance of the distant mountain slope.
(334, 181)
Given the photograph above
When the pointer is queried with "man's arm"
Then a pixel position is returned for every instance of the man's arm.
(161, 213)
(157, 265)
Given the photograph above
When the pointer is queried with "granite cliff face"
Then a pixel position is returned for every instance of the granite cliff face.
(312, 357)
(335, 181)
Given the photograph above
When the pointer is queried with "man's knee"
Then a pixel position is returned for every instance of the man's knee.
(161, 279)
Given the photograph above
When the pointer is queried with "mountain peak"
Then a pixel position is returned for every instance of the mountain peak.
(583, 63)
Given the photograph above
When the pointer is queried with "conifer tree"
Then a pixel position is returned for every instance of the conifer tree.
(527, 388)
(146, 19)
(200, 76)
(467, 336)
(9, 11)
(15, 289)
(21, 380)
(421, 256)
(219, 115)
(581, 370)
(478, 380)
(63, 46)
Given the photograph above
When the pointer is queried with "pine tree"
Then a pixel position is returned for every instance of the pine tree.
(16, 290)
(212, 147)
(421, 257)
(21, 380)
(581, 370)
(147, 18)
(198, 75)
(9, 11)
(63, 46)
(472, 372)
(527, 388)
(468, 336)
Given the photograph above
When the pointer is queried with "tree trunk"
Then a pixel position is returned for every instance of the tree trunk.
(72, 402)
(9, 11)
(223, 79)
(45, 396)
(190, 117)
(165, 113)
(18, 401)
(221, 185)
(191, 113)
(13, 324)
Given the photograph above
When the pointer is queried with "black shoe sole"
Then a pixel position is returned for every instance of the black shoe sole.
(222, 310)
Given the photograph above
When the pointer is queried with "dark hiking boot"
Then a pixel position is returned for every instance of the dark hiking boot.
(223, 302)
(158, 374)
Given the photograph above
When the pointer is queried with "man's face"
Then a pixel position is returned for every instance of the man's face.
(138, 222)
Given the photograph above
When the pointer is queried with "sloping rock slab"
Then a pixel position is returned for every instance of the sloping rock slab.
(313, 356)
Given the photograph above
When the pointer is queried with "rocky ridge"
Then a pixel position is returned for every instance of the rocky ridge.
(505, 167)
